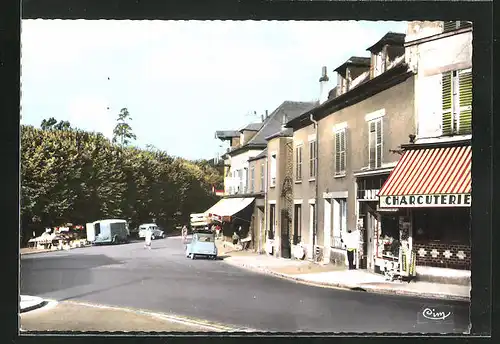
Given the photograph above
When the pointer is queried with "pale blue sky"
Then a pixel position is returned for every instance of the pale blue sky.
(181, 81)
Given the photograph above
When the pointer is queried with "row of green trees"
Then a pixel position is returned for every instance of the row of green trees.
(70, 175)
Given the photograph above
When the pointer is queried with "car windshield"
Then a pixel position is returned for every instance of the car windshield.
(205, 238)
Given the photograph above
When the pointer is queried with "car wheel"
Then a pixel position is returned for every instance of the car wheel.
(193, 256)
(152, 237)
(114, 240)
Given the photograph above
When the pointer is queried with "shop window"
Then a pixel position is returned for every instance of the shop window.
(297, 223)
(457, 102)
(447, 225)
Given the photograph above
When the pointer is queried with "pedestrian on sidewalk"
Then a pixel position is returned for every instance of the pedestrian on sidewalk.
(236, 238)
(351, 245)
(147, 238)
(184, 232)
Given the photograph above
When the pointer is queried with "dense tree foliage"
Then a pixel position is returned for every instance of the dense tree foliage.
(69, 175)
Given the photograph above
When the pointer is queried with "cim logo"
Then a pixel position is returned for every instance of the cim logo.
(436, 314)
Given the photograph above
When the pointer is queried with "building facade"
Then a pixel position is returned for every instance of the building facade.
(432, 182)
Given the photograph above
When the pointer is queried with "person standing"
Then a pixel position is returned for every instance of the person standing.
(184, 233)
(351, 245)
(148, 239)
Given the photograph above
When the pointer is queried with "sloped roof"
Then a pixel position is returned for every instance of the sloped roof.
(259, 156)
(273, 124)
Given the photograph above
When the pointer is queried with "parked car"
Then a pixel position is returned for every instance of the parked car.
(112, 231)
(156, 231)
(202, 245)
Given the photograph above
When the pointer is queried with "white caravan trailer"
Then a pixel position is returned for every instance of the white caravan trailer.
(111, 231)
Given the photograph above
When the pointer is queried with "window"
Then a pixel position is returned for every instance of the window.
(252, 178)
(97, 228)
(262, 176)
(297, 223)
(273, 170)
(312, 159)
(340, 152)
(457, 102)
(340, 221)
(240, 177)
(375, 143)
(272, 217)
(298, 163)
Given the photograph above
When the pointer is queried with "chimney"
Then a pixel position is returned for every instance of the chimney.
(267, 114)
(283, 123)
(262, 118)
(323, 86)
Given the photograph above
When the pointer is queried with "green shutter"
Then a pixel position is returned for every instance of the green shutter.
(465, 89)
(447, 95)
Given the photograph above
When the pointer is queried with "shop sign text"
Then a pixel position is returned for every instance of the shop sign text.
(415, 201)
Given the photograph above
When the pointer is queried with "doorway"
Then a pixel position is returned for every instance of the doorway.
(285, 235)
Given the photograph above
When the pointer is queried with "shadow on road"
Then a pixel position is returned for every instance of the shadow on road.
(44, 274)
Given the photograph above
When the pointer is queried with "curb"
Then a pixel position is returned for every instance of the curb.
(369, 289)
(39, 303)
(210, 326)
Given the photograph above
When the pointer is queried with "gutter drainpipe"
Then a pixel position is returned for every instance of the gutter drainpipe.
(316, 213)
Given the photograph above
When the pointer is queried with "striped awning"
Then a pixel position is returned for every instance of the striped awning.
(435, 177)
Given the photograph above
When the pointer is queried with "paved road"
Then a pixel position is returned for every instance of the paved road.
(163, 280)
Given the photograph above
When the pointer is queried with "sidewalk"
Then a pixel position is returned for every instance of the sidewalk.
(76, 316)
(331, 276)
(29, 303)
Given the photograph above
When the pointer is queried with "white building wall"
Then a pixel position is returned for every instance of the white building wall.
(237, 163)
(429, 58)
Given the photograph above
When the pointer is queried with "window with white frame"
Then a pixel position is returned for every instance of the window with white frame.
(375, 143)
(340, 221)
(298, 162)
(262, 176)
(312, 159)
(457, 102)
(252, 178)
(273, 170)
(340, 152)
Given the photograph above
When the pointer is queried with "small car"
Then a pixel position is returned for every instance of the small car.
(156, 231)
(202, 245)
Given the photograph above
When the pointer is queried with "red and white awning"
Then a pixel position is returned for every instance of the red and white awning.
(435, 177)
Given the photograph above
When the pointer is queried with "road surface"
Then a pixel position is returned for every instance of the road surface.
(164, 280)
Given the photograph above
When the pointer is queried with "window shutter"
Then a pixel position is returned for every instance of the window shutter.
(449, 26)
(379, 143)
(343, 150)
(465, 89)
(447, 95)
(337, 153)
(371, 144)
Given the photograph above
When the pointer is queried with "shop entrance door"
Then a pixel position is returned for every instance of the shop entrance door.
(372, 234)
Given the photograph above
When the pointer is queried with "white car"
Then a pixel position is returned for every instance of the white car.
(156, 231)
